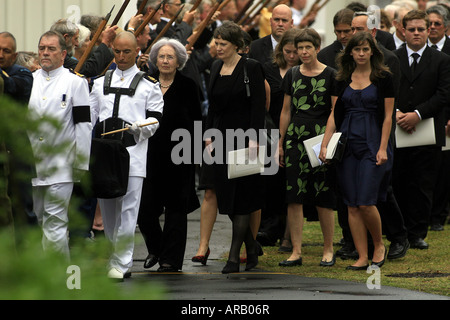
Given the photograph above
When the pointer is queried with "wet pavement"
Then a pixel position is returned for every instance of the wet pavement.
(206, 283)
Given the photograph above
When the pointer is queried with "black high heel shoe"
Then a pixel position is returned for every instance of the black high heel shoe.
(252, 261)
(202, 259)
(231, 267)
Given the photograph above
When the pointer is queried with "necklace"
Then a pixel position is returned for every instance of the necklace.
(165, 87)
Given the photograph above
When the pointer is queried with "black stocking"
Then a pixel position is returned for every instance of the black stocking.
(241, 233)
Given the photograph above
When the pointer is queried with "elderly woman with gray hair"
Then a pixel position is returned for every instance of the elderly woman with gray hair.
(169, 188)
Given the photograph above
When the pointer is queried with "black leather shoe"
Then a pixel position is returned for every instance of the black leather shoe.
(418, 243)
(150, 261)
(328, 263)
(356, 268)
(348, 251)
(398, 250)
(436, 227)
(265, 239)
(291, 263)
(167, 268)
(231, 267)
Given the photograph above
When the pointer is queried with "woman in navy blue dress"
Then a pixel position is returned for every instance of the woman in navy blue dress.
(362, 111)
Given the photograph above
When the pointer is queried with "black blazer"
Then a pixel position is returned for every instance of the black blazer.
(386, 39)
(261, 50)
(328, 54)
(428, 91)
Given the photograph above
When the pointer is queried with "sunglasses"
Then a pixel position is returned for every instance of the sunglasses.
(412, 30)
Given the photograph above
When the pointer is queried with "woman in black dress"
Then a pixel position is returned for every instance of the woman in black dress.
(231, 108)
(306, 108)
(169, 188)
(273, 221)
(363, 111)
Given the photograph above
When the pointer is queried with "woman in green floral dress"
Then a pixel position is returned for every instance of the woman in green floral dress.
(306, 108)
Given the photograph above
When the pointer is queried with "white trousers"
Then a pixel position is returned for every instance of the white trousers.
(119, 222)
(51, 206)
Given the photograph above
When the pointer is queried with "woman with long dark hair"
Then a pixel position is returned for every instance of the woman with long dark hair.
(362, 111)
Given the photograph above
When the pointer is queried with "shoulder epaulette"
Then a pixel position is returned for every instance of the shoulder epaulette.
(151, 79)
(76, 73)
(5, 74)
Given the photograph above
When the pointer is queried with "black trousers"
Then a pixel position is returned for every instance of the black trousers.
(414, 180)
(441, 197)
(167, 242)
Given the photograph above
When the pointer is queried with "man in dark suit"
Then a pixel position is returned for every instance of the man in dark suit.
(281, 21)
(342, 22)
(180, 31)
(423, 94)
(439, 19)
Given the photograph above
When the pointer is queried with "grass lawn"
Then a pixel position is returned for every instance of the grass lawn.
(421, 270)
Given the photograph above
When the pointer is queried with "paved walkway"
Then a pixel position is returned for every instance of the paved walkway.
(198, 282)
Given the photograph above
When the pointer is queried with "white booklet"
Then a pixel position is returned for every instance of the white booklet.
(312, 147)
(240, 165)
(314, 144)
(423, 136)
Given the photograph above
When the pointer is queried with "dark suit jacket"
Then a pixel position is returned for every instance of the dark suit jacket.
(328, 54)
(95, 65)
(261, 50)
(181, 31)
(386, 39)
(428, 90)
(446, 47)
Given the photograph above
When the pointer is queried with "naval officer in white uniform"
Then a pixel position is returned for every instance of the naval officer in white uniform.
(59, 94)
(143, 107)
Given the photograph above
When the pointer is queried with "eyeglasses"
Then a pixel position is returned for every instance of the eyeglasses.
(412, 30)
(176, 4)
(437, 24)
(163, 58)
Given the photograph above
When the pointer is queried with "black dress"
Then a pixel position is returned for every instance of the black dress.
(230, 108)
(310, 109)
(362, 182)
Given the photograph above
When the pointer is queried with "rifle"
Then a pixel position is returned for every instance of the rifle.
(201, 27)
(250, 12)
(163, 31)
(147, 20)
(315, 8)
(120, 13)
(195, 6)
(243, 11)
(93, 42)
(141, 7)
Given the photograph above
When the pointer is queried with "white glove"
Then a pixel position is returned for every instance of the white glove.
(134, 129)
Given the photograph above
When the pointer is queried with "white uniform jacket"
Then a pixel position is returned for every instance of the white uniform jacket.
(63, 96)
(146, 106)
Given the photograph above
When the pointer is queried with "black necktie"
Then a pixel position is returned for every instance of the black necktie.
(434, 46)
(415, 56)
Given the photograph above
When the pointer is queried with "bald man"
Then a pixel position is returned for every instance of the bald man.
(280, 22)
(115, 107)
